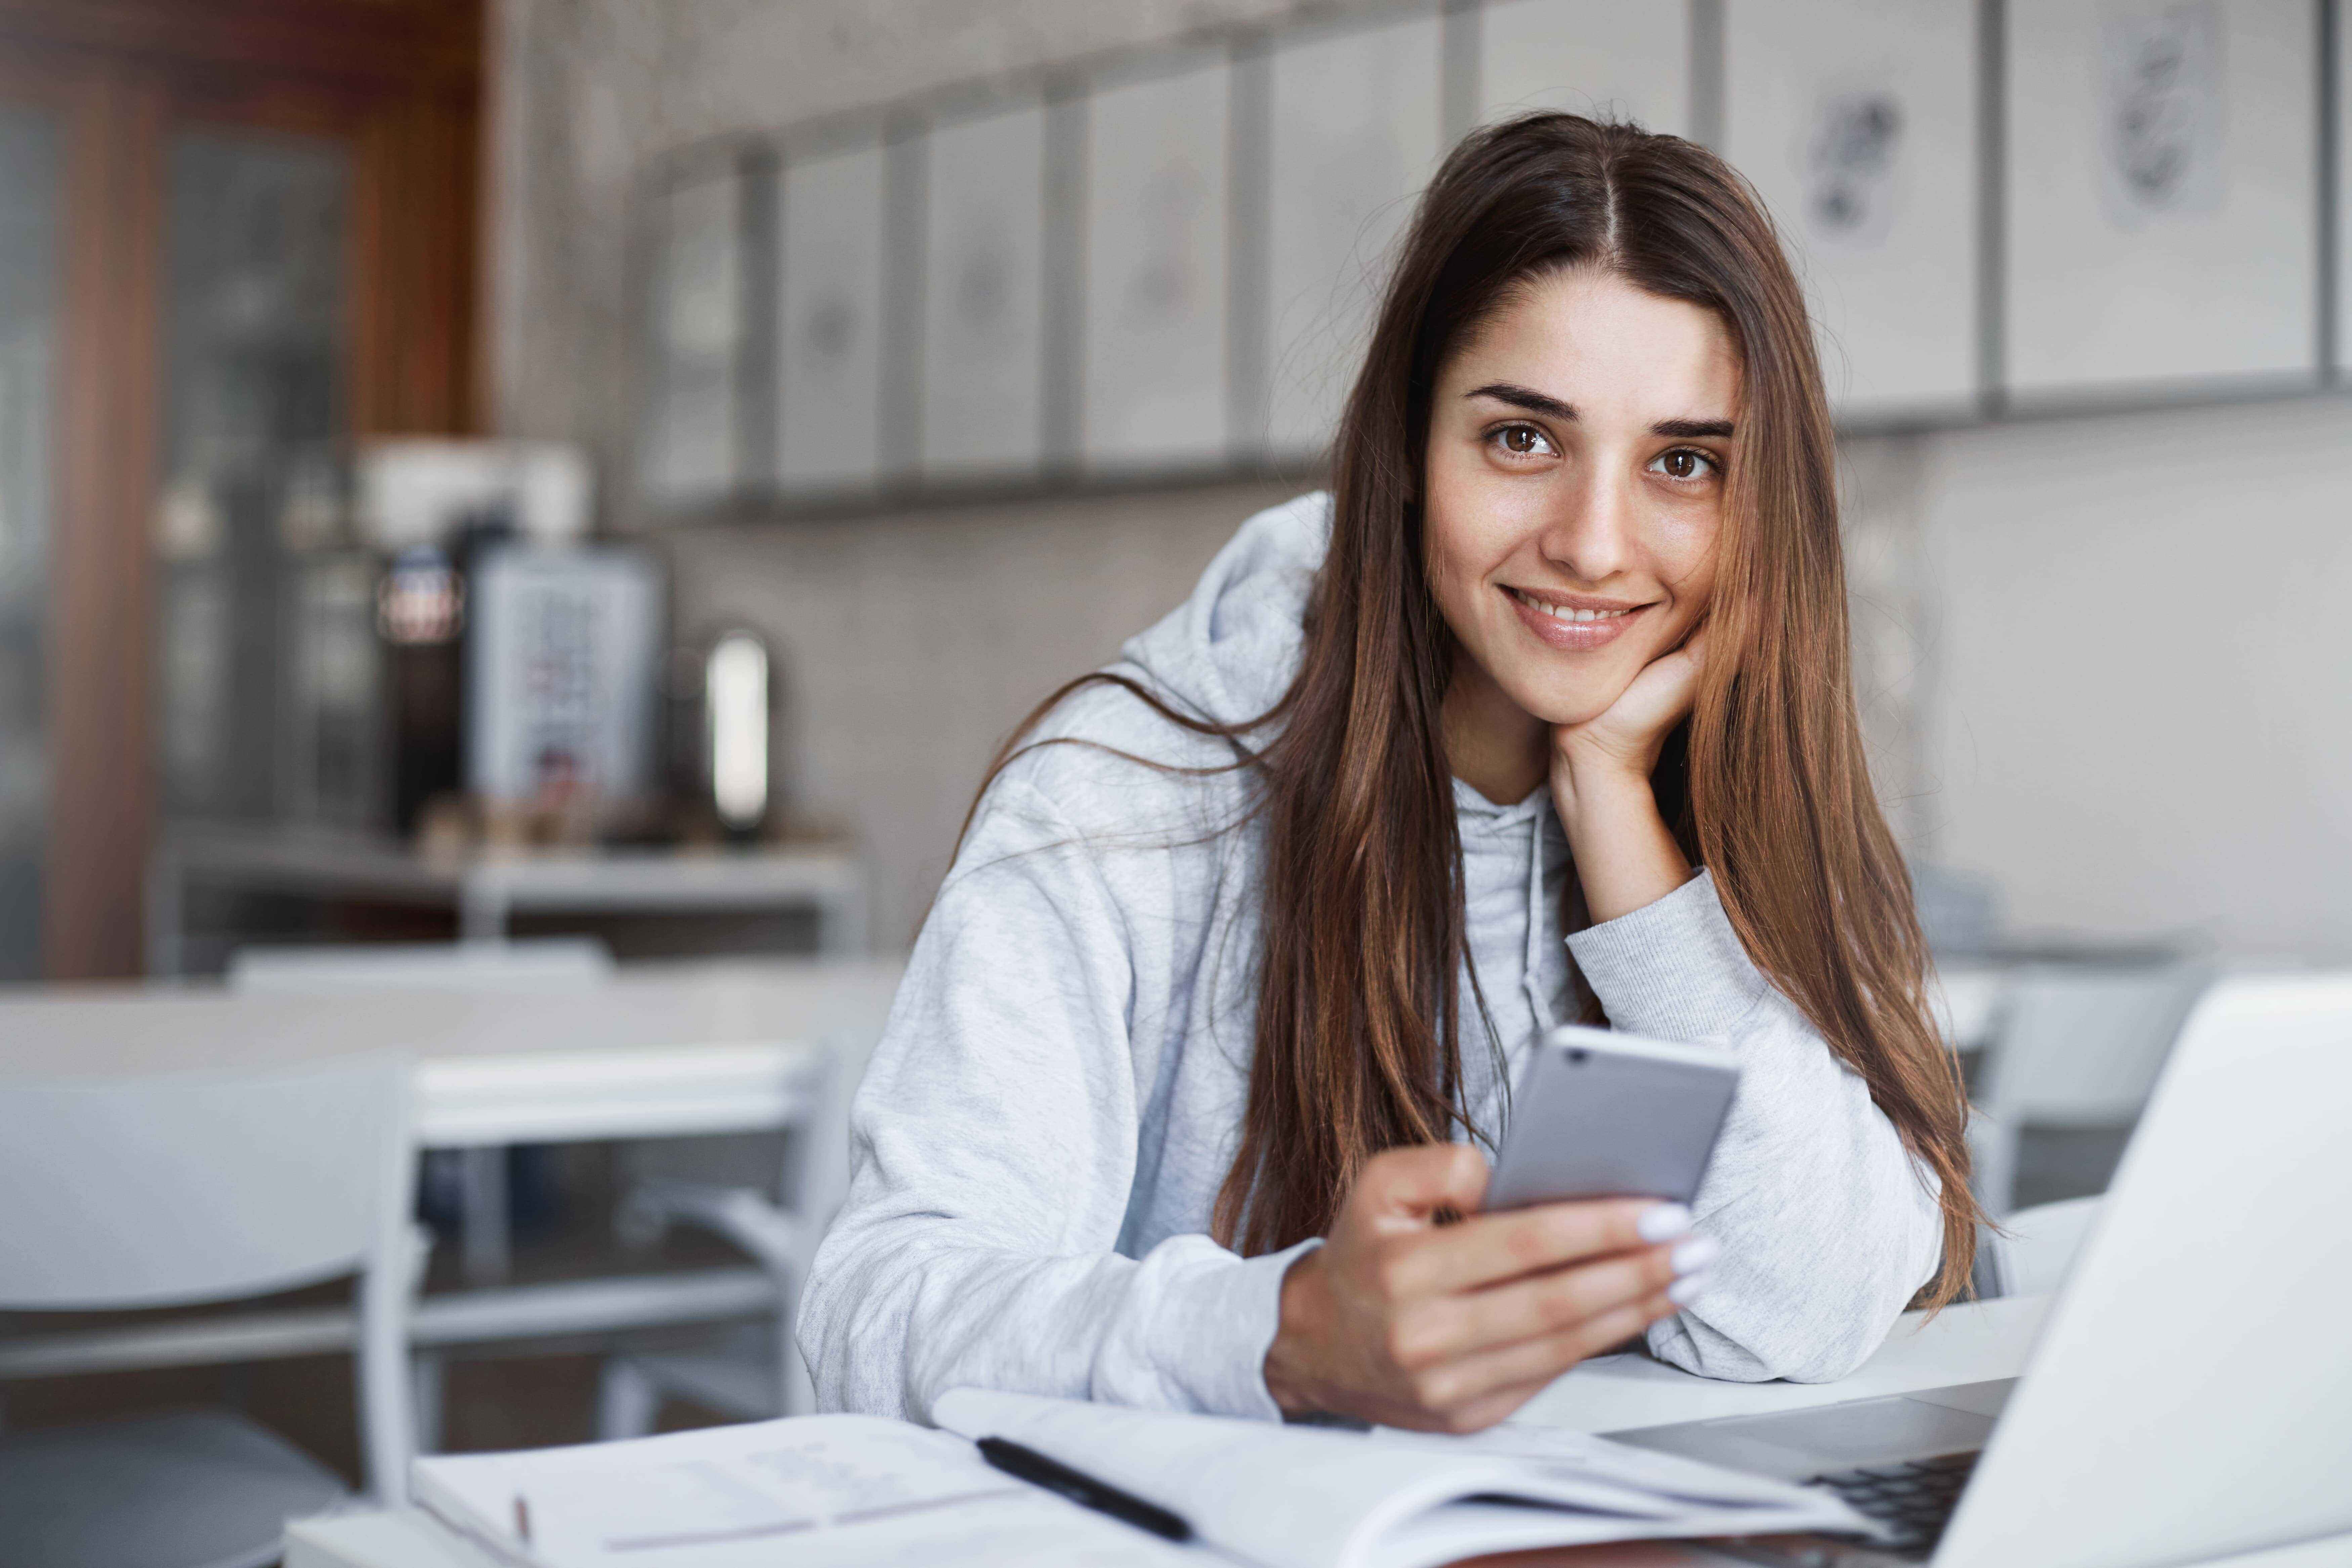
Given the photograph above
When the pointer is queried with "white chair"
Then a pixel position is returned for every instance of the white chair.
(2074, 1045)
(2035, 1246)
(753, 1372)
(751, 1369)
(537, 965)
(182, 1190)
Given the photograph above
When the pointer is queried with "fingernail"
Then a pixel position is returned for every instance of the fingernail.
(1687, 1289)
(1695, 1253)
(1663, 1221)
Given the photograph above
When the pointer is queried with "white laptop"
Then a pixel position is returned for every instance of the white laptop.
(2191, 1394)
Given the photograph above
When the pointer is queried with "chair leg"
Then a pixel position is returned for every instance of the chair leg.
(427, 1381)
(482, 1202)
(626, 1401)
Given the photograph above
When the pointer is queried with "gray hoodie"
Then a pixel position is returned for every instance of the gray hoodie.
(1056, 1098)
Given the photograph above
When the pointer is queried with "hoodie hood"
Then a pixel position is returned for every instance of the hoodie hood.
(1228, 653)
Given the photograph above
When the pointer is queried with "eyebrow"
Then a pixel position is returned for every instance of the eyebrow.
(1690, 429)
(1553, 408)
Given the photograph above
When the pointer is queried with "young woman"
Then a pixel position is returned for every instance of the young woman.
(1247, 937)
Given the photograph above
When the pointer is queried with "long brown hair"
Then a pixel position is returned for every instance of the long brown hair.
(1359, 976)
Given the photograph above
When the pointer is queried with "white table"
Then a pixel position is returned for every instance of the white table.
(408, 1539)
(658, 1051)
(487, 888)
(1967, 1343)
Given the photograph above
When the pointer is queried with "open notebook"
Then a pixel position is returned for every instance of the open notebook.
(859, 1490)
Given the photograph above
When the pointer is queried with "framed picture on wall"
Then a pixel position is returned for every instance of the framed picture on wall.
(696, 330)
(984, 340)
(1158, 202)
(2340, 351)
(1856, 119)
(1355, 134)
(829, 315)
(2161, 178)
(1600, 57)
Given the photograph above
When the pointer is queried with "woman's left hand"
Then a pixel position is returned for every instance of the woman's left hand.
(1625, 856)
(1626, 735)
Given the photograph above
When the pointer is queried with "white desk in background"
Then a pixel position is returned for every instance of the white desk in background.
(659, 1051)
(487, 888)
(1968, 1002)
(1967, 1343)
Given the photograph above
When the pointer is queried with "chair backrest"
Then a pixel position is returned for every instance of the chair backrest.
(1959, 912)
(189, 1188)
(2081, 1044)
(2035, 1246)
(183, 1188)
(539, 964)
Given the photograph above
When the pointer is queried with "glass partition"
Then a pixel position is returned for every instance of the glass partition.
(268, 681)
(29, 146)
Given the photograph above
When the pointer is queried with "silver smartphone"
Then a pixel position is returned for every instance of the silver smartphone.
(1602, 1115)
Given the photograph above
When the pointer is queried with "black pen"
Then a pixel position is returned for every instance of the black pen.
(1081, 1489)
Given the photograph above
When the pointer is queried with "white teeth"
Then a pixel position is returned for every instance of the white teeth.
(1566, 613)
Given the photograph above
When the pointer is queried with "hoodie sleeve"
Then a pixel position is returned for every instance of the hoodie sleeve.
(1828, 1226)
(993, 1147)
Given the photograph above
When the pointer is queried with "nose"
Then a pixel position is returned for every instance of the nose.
(1591, 535)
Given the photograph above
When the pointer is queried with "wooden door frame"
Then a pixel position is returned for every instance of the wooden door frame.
(98, 673)
(402, 79)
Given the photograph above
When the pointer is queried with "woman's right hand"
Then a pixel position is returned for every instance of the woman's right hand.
(1406, 1320)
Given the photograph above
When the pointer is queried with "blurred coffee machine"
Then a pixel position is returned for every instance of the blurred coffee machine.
(520, 660)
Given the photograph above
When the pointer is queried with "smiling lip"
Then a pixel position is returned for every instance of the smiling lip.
(1573, 622)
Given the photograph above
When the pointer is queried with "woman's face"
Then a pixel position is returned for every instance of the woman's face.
(1578, 447)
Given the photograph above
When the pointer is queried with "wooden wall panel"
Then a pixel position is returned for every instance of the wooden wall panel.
(102, 663)
(397, 44)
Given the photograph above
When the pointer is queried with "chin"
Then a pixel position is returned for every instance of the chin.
(1557, 704)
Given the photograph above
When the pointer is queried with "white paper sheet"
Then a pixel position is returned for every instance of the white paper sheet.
(1157, 199)
(696, 330)
(843, 1489)
(1856, 119)
(1289, 1497)
(984, 296)
(829, 321)
(2162, 187)
(1356, 136)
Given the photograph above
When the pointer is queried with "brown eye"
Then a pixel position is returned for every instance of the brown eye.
(1684, 463)
(1523, 441)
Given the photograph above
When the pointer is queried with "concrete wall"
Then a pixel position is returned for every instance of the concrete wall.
(911, 646)
(2140, 713)
(2099, 659)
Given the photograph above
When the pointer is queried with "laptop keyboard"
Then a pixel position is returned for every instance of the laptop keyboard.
(1912, 1500)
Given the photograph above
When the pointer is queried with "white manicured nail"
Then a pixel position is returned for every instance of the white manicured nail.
(1695, 1253)
(1663, 1223)
(1687, 1289)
